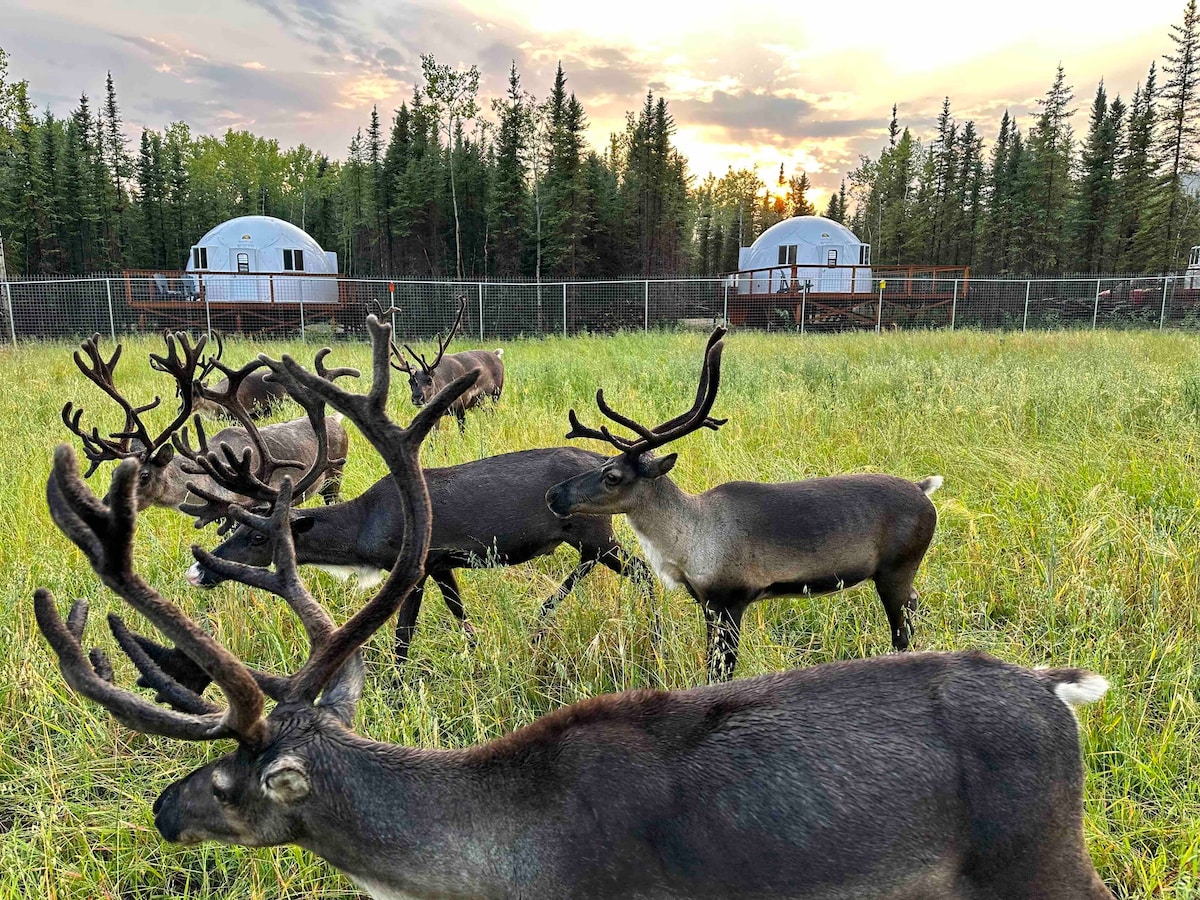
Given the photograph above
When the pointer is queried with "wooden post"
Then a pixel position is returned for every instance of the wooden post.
(1025, 320)
(953, 304)
(646, 311)
(481, 311)
(879, 310)
(725, 313)
(1163, 313)
(1096, 306)
(564, 309)
(803, 304)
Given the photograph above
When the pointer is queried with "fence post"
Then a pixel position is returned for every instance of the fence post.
(481, 310)
(1025, 321)
(12, 325)
(879, 310)
(646, 314)
(207, 312)
(1096, 306)
(725, 307)
(954, 304)
(303, 336)
(392, 303)
(564, 309)
(803, 304)
(112, 324)
(1162, 316)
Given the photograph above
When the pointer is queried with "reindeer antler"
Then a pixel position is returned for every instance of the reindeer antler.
(443, 343)
(119, 445)
(105, 535)
(650, 438)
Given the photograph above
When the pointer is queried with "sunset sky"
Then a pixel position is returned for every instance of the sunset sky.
(750, 84)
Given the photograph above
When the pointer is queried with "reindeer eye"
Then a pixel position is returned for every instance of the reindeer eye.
(612, 476)
(144, 475)
(258, 538)
(221, 788)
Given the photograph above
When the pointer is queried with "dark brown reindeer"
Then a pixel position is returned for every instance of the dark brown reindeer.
(164, 473)
(430, 377)
(944, 776)
(488, 512)
(744, 541)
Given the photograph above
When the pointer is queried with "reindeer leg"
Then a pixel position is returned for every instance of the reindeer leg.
(406, 623)
(586, 564)
(724, 626)
(331, 490)
(448, 584)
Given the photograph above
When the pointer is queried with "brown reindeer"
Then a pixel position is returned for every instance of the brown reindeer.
(165, 473)
(430, 377)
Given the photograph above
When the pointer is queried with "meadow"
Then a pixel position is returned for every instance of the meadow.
(1069, 524)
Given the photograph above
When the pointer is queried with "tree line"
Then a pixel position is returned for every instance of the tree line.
(443, 190)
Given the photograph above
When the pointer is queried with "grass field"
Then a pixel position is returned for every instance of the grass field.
(1068, 530)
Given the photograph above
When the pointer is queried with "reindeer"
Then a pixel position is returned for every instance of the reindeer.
(164, 473)
(743, 541)
(932, 775)
(257, 394)
(430, 378)
(490, 511)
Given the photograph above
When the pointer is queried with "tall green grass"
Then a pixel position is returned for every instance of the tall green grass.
(1068, 534)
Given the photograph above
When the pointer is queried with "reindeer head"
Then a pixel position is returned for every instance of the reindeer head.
(421, 380)
(159, 481)
(291, 769)
(623, 481)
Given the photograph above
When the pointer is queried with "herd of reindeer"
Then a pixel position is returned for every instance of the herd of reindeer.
(909, 775)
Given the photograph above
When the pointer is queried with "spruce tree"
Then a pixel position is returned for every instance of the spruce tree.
(1180, 129)
(508, 199)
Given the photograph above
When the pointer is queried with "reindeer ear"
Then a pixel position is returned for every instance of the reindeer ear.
(164, 455)
(285, 780)
(301, 524)
(659, 466)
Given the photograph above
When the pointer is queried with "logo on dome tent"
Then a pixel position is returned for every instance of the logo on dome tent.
(246, 237)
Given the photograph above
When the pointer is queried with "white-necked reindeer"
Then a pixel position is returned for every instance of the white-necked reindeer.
(917, 776)
(745, 541)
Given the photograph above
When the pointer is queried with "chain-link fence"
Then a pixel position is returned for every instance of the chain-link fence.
(329, 308)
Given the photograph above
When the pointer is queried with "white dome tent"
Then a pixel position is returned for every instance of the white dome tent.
(262, 259)
(811, 250)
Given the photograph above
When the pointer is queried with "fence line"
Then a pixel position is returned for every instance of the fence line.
(290, 306)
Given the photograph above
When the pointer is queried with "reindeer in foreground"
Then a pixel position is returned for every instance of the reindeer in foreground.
(934, 775)
(165, 471)
(743, 541)
(430, 377)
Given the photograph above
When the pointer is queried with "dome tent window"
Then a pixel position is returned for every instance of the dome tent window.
(864, 255)
(293, 260)
(788, 254)
(243, 263)
(831, 258)
(199, 257)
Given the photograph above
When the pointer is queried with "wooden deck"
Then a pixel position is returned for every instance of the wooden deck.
(899, 295)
